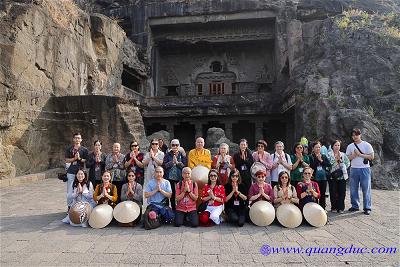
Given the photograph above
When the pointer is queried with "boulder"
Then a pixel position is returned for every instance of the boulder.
(215, 137)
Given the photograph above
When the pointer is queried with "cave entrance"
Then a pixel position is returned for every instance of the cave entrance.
(185, 132)
(155, 127)
(244, 129)
(130, 80)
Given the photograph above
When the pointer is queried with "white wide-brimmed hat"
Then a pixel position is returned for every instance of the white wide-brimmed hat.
(262, 213)
(256, 167)
(289, 215)
(200, 175)
(126, 211)
(101, 216)
(315, 214)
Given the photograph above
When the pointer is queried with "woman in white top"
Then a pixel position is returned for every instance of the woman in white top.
(280, 162)
(152, 159)
(82, 190)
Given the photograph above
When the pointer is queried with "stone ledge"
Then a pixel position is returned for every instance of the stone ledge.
(30, 178)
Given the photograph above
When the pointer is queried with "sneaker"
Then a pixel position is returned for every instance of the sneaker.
(353, 209)
(367, 212)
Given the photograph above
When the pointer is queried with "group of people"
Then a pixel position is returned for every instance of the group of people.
(163, 176)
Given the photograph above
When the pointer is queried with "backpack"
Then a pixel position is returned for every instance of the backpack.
(148, 223)
(286, 156)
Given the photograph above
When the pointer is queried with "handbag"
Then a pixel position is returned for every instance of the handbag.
(62, 176)
(203, 206)
(337, 173)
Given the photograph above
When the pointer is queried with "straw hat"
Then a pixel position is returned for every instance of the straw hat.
(315, 214)
(79, 213)
(101, 216)
(126, 211)
(289, 215)
(200, 175)
(262, 213)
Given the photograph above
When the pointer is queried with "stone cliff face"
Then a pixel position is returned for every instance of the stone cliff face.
(340, 60)
(48, 50)
(349, 77)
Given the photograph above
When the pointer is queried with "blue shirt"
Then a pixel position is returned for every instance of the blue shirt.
(157, 198)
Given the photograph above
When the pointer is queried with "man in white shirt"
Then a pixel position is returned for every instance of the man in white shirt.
(360, 153)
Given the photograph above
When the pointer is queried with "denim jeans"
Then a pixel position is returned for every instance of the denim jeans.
(360, 177)
(71, 178)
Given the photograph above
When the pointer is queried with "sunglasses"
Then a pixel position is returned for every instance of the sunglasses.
(235, 175)
(134, 145)
(299, 147)
(284, 177)
(213, 175)
(306, 172)
(154, 144)
(260, 145)
(175, 145)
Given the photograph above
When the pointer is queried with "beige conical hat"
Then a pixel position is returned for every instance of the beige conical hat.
(101, 216)
(315, 214)
(79, 212)
(262, 213)
(289, 215)
(200, 175)
(126, 212)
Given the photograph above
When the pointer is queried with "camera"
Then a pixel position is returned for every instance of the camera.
(365, 161)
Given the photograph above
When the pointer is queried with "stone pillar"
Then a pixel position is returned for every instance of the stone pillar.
(259, 130)
(228, 130)
(199, 129)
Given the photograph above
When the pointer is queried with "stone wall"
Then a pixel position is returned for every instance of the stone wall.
(50, 49)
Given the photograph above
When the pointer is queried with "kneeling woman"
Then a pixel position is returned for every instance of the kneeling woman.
(213, 196)
(186, 197)
(236, 204)
(133, 191)
(284, 192)
(261, 190)
(82, 191)
(106, 192)
(307, 191)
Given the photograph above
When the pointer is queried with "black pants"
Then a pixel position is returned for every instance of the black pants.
(236, 216)
(322, 190)
(273, 184)
(172, 199)
(118, 184)
(191, 215)
(337, 193)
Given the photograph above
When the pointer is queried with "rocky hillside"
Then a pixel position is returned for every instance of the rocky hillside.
(51, 49)
(349, 75)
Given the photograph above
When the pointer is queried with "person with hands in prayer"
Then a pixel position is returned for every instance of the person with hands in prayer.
(133, 162)
(186, 197)
(260, 190)
(106, 192)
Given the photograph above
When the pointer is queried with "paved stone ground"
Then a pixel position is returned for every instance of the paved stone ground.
(32, 235)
